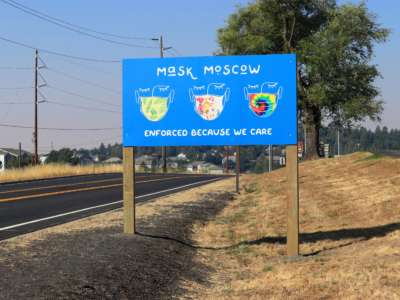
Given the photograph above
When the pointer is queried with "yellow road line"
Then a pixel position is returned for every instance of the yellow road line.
(78, 190)
(65, 185)
(60, 192)
(57, 185)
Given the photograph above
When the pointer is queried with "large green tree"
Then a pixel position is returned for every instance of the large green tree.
(334, 45)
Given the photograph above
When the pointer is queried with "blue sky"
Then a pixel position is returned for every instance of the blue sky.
(189, 26)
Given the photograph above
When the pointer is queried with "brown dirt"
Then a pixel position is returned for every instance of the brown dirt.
(92, 259)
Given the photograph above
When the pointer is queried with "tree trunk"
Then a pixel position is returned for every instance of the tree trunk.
(312, 124)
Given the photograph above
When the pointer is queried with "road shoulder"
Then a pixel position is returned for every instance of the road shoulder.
(91, 258)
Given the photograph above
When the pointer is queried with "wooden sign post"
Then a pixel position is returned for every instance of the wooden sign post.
(129, 189)
(237, 169)
(292, 168)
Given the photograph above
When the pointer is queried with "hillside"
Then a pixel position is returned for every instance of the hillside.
(350, 234)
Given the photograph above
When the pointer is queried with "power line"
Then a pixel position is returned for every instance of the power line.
(82, 96)
(175, 51)
(93, 69)
(17, 88)
(14, 103)
(87, 144)
(81, 107)
(42, 16)
(59, 53)
(58, 129)
(82, 27)
(113, 138)
(7, 112)
(16, 68)
(82, 80)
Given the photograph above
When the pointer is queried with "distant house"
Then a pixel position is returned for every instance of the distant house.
(195, 166)
(9, 157)
(43, 158)
(212, 169)
(4, 156)
(175, 162)
(146, 162)
(203, 167)
(83, 158)
(231, 158)
(172, 164)
(113, 160)
(182, 156)
(95, 158)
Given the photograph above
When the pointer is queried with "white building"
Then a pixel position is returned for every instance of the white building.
(9, 154)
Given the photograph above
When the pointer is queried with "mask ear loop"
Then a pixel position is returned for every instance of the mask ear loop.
(171, 97)
(137, 97)
(191, 95)
(246, 94)
(226, 96)
(279, 94)
(138, 100)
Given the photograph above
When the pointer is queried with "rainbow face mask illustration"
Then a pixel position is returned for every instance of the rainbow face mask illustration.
(209, 101)
(263, 99)
(154, 104)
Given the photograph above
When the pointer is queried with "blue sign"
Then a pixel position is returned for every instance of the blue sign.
(217, 100)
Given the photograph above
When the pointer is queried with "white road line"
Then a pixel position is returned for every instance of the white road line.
(102, 205)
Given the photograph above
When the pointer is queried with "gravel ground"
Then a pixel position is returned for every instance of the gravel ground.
(99, 262)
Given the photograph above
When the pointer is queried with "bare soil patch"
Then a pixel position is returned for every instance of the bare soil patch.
(93, 259)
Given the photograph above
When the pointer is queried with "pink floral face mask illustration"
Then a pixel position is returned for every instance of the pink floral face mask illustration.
(209, 101)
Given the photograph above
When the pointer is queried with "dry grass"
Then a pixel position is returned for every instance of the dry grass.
(350, 225)
(56, 170)
(349, 220)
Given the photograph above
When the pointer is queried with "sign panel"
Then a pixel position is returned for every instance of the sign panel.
(217, 100)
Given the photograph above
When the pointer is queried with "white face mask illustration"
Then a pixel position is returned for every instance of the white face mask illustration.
(209, 102)
(263, 99)
(154, 104)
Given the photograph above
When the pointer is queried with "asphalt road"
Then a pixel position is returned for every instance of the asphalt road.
(29, 206)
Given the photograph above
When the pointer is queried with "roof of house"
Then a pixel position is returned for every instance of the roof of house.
(212, 166)
(112, 160)
(13, 152)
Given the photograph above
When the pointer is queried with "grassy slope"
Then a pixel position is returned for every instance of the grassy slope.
(55, 170)
(350, 225)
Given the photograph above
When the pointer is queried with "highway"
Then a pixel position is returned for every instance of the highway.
(33, 205)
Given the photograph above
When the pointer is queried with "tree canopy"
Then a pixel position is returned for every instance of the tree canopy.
(334, 46)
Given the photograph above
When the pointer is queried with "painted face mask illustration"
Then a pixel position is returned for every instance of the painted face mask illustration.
(154, 103)
(263, 99)
(209, 101)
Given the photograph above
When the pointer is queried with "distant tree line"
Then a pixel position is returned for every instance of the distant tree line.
(252, 158)
(76, 156)
(362, 139)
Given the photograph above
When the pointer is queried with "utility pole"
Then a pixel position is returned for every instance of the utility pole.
(227, 159)
(35, 125)
(305, 141)
(163, 148)
(270, 158)
(237, 169)
(19, 155)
